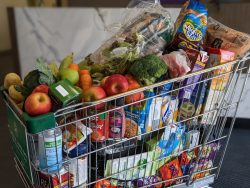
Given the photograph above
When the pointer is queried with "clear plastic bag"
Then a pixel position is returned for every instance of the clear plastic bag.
(146, 29)
(177, 62)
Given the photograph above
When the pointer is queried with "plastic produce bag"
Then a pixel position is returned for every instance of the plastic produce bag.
(147, 31)
(178, 63)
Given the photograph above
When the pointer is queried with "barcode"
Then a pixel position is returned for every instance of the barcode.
(62, 91)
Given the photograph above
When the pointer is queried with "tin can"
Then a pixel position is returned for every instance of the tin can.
(53, 180)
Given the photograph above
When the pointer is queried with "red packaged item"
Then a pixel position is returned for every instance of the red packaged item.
(104, 184)
(98, 120)
(53, 180)
(186, 159)
(171, 170)
(100, 127)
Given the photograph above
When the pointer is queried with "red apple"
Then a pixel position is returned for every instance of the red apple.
(116, 84)
(132, 82)
(37, 104)
(134, 97)
(102, 84)
(43, 88)
(93, 94)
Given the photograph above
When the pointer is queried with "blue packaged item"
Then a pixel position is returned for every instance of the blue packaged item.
(172, 140)
(79, 150)
(198, 96)
(164, 90)
(192, 29)
(136, 116)
(75, 140)
(161, 109)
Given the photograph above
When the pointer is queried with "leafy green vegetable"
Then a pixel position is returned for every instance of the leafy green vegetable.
(119, 56)
(46, 75)
(29, 83)
(148, 69)
(42, 75)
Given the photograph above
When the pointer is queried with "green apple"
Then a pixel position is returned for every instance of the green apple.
(70, 74)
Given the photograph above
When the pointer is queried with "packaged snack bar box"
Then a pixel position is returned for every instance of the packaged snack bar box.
(53, 180)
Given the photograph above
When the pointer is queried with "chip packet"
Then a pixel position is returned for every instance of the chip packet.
(171, 170)
(191, 31)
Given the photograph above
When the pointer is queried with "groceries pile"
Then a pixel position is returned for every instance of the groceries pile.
(148, 49)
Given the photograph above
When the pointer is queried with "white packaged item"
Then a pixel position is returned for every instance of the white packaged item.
(78, 171)
(192, 139)
(131, 167)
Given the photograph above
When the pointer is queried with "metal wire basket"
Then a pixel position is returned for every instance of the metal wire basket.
(159, 141)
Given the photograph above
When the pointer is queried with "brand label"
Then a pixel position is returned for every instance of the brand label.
(191, 33)
(62, 91)
(50, 152)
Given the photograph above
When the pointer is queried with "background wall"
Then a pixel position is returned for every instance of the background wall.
(235, 15)
(5, 43)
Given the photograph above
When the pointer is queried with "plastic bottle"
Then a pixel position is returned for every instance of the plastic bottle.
(50, 150)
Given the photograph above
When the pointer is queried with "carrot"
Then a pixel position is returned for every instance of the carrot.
(73, 66)
(85, 80)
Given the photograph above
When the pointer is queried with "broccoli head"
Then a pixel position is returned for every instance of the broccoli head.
(148, 69)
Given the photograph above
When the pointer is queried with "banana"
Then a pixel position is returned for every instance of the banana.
(11, 79)
(66, 61)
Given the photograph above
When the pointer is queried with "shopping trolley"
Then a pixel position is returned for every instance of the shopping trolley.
(141, 155)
